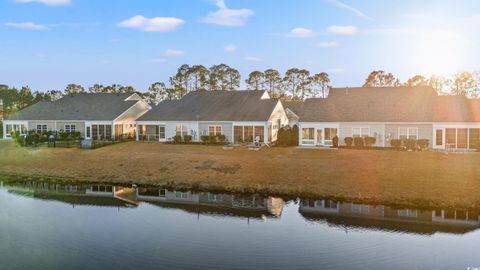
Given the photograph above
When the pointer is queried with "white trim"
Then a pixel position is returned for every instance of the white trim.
(408, 132)
(361, 131)
(215, 130)
(131, 107)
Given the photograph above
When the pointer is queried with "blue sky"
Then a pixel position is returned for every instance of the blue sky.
(47, 44)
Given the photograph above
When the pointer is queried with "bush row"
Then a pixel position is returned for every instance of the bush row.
(206, 139)
(360, 142)
(32, 138)
(410, 144)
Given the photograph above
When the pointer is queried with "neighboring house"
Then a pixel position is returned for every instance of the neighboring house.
(387, 113)
(385, 217)
(94, 115)
(212, 203)
(239, 115)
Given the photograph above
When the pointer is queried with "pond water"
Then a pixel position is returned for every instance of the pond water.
(59, 226)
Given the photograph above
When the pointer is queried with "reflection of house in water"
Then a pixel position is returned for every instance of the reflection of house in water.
(75, 194)
(213, 204)
(388, 218)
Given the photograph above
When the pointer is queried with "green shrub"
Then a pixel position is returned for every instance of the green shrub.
(284, 136)
(423, 144)
(18, 139)
(221, 139)
(348, 141)
(395, 143)
(177, 139)
(32, 138)
(205, 139)
(370, 141)
(1, 128)
(358, 142)
(410, 144)
(212, 139)
(295, 134)
(187, 138)
(335, 141)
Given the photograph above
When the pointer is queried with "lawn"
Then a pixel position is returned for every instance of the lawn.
(374, 176)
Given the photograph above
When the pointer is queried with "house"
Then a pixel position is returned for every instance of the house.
(387, 113)
(95, 115)
(293, 110)
(254, 206)
(382, 217)
(240, 116)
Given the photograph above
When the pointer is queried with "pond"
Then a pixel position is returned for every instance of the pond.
(85, 226)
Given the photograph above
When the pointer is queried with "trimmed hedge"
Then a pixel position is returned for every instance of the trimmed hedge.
(395, 143)
(287, 136)
(358, 142)
(423, 144)
(335, 141)
(370, 141)
(348, 141)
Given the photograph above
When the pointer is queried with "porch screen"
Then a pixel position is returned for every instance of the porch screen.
(474, 139)
(308, 135)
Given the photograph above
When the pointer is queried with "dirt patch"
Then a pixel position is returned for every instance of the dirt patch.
(226, 169)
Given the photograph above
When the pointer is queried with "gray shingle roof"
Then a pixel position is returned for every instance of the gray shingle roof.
(88, 106)
(390, 104)
(239, 105)
(382, 104)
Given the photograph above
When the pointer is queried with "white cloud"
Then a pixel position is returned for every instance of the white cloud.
(156, 61)
(27, 26)
(301, 32)
(172, 52)
(156, 24)
(226, 16)
(231, 48)
(252, 58)
(326, 44)
(335, 70)
(47, 2)
(351, 9)
(342, 29)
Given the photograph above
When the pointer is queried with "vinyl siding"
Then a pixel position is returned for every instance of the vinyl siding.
(192, 128)
(277, 114)
(79, 126)
(226, 129)
(32, 125)
(425, 131)
(376, 130)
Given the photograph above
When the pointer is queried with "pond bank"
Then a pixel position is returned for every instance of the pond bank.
(375, 177)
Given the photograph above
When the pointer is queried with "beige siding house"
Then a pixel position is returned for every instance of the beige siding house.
(240, 116)
(388, 113)
(96, 116)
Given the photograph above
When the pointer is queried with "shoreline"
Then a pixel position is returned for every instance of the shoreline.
(429, 179)
(397, 203)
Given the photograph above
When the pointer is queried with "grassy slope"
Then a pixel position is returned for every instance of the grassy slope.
(407, 178)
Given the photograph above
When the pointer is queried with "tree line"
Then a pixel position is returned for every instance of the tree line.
(294, 84)
(463, 83)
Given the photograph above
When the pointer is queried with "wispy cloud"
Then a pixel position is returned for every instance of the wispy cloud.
(47, 2)
(27, 26)
(326, 44)
(252, 58)
(156, 24)
(226, 16)
(231, 48)
(351, 9)
(336, 70)
(301, 32)
(172, 52)
(342, 29)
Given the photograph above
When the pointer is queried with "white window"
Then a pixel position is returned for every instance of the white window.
(20, 129)
(308, 135)
(181, 130)
(407, 213)
(163, 193)
(181, 195)
(360, 132)
(360, 208)
(161, 132)
(214, 130)
(70, 128)
(407, 133)
(41, 128)
(215, 197)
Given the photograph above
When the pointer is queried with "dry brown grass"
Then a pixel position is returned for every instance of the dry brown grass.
(406, 178)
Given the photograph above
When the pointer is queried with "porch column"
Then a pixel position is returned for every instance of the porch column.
(265, 134)
(4, 130)
(299, 134)
(136, 132)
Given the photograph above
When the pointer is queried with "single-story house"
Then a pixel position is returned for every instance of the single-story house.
(240, 116)
(387, 113)
(94, 115)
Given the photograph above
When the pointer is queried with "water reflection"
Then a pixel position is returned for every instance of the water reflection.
(254, 206)
(346, 215)
(381, 217)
